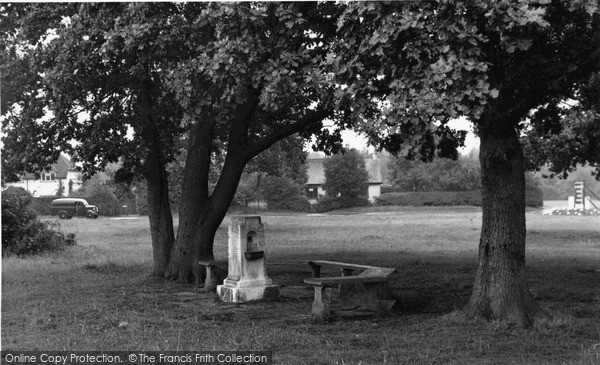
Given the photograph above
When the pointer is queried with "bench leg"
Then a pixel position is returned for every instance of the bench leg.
(316, 271)
(321, 306)
(210, 283)
(372, 299)
(345, 288)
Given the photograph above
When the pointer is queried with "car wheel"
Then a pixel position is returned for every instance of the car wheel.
(89, 215)
(63, 215)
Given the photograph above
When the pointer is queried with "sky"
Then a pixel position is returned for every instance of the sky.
(357, 141)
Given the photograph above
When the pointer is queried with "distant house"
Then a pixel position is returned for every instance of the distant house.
(45, 183)
(316, 177)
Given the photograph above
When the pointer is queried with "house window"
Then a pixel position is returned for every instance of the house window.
(48, 176)
(365, 192)
(312, 192)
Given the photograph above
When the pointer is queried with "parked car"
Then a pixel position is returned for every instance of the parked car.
(67, 208)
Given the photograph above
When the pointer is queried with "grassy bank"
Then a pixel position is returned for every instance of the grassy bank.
(97, 296)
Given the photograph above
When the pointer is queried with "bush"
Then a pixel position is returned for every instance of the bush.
(38, 238)
(327, 203)
(534, 197)
(23, 234)
(275, 188)
(106, 202)
(41, 205)
(16, 216)
(247, 190)
(386, 189)
(282, 193)
(296, 203)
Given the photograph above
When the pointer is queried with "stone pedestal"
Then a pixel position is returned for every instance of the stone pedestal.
(247, 277)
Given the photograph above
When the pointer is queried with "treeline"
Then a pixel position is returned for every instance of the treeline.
(442, 174)
(559, 188)
(444, 182)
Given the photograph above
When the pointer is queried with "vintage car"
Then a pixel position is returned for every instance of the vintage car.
(67, 208)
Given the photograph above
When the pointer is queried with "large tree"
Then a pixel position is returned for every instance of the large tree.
(259, 78)
(492, 62)
(346, 174)
(126, 80)
(90, 85)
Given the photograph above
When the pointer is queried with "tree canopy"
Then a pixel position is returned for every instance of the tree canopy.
(127, 80)
(412, 66)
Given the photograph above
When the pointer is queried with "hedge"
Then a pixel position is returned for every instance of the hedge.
(298, 203)
(533, 198)
(41, 205)
(327, 204)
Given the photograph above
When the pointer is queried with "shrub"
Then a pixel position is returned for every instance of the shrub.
(38, 238)
(16, 216)
(282, 193)
(247, 190)
(386, 189)
(16, 190)
(23, 234)
(41, 204)
(327, 203)
(275, 188)
(534, 197)
(296, 203)
(105, 201)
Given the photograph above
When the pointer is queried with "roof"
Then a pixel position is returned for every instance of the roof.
(316, 172)
(61, 167)
(69, 200)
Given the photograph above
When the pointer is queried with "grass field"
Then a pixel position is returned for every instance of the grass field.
(98, 296)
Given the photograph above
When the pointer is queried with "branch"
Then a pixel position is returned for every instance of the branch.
(312, 117)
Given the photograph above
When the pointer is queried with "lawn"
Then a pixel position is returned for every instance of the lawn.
(98, 295)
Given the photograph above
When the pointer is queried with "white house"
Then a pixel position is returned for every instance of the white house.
(316, 177)
(49, 182)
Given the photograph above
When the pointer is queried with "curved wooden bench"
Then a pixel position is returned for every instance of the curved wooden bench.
(373, 278)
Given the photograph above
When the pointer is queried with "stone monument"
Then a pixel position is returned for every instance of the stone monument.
(247, 277)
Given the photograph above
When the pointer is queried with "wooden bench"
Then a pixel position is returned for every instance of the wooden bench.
(212, 276)
(346, 270)
(373, 278)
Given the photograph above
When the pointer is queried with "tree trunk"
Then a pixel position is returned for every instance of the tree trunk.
(201, 214)
(159, 212)
(500, 290)
(194, 202)
(199, 224)
(159, 207)
(219, 203)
